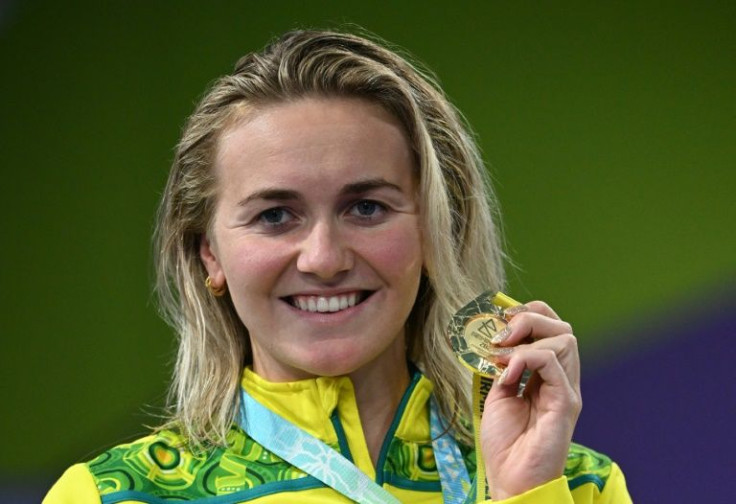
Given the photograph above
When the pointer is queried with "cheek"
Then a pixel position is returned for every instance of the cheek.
(253, 271)
(253, 265)
(397, 253)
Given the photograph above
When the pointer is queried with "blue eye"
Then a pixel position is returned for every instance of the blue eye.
(275, 217)
(368, 210)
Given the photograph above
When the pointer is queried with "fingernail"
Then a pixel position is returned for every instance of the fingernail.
(502, 336)
(503, 376)
(499, 351)
(516, 309)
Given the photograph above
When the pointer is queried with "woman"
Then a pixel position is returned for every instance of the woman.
(326, 214)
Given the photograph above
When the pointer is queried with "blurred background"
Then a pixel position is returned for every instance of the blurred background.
(609, 130)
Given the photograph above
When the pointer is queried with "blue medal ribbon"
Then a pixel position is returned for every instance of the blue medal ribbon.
(450, 463)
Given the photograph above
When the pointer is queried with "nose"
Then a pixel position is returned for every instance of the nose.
(324, 252)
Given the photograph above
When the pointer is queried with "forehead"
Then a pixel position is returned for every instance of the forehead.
(323, 137)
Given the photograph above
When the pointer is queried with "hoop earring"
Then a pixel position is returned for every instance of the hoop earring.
(215, 291)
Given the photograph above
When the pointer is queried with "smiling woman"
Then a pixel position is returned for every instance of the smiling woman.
(326, 214)
(316, 208)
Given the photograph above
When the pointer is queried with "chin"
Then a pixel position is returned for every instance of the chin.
(336, 362)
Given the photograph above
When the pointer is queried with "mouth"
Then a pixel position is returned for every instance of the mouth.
(328, 304)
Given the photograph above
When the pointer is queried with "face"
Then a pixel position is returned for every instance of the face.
(316, 234)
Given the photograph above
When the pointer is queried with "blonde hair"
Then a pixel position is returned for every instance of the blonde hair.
(461, 243)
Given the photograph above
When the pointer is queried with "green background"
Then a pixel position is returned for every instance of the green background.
(609, 129)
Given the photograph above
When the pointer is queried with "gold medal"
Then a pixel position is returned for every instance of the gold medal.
(472, 329)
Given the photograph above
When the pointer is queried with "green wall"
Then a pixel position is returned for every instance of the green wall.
(610, 131)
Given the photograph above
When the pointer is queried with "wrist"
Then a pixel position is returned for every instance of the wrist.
(506, 490)
(554, 491)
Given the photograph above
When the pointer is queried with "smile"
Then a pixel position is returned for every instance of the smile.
(327, 304)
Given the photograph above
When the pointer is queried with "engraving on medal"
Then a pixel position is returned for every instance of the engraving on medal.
(480, 330)
(472, 329)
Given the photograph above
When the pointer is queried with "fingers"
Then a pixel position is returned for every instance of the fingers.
(535, 336)
(531, 325)
(540, 360)
(534, 306)
(558, 376)
(563, 348)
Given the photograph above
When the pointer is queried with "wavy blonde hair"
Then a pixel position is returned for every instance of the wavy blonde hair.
(462, 247)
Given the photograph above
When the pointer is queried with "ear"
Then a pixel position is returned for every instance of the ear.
(208, 254)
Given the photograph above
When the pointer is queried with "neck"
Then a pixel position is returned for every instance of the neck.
(378, 391)
(379, 386)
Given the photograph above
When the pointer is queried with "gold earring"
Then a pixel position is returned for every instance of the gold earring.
(215, 291)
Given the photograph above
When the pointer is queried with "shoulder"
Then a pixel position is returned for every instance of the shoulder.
(585, 465)
(162, 465)
(143, 465)
(131, 467)
(76, 485)
(589, 471)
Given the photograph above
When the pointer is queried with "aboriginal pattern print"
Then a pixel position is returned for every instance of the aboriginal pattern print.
(586, 466)
(158, 466)
(410, 463)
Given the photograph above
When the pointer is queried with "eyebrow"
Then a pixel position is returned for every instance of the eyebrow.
(270, 194)
(368, 185)
(354, 188)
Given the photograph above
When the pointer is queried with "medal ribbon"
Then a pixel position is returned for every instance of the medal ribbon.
(316, 458)
(450, 463)
(481, 386)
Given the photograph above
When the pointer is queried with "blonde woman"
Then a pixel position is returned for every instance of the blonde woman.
(326, 214)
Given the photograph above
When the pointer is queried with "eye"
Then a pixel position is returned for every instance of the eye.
(368, 209)
(276, 217)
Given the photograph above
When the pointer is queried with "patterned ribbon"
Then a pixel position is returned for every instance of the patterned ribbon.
(316, 458)
(450, 463)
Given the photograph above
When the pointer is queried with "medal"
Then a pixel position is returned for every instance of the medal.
(472, 329)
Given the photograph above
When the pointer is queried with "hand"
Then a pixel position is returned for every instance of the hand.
(525, 440)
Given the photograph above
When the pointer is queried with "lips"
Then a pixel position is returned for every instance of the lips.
(327, 304)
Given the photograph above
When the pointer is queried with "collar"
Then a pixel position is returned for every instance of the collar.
(326, 408)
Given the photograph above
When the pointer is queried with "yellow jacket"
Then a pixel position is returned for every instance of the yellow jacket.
(158, 467)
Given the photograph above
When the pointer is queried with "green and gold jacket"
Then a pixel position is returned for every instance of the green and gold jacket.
(159, 469)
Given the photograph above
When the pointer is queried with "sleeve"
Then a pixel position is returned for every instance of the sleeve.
(615, 491)
(558, 491)
(552, 492)
(76, 486)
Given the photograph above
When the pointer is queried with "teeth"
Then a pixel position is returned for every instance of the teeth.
(334, 304)
(324, 304)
